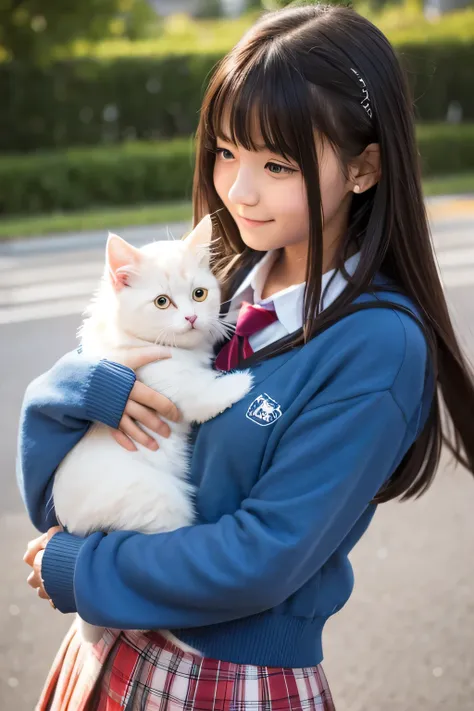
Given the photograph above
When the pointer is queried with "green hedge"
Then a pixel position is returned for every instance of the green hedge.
(446, 148)
(76, 179)
(157, 171)
(440, 73)
(95, 100)
(91, 101)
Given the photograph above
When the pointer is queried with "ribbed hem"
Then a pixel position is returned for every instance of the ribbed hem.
(108, 392)
(268, 639)
(57, 569)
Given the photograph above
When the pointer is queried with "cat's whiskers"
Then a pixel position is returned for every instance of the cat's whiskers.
(226, 327)
(216, 336)
(220, 329)
(159, 341)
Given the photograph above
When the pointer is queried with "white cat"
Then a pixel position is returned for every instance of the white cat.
(163, 293)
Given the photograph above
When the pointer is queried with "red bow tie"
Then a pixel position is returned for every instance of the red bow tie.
(251, 319)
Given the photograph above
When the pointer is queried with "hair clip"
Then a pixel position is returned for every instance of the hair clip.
(365, 103)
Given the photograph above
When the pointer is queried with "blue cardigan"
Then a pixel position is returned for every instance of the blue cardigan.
(285, 479)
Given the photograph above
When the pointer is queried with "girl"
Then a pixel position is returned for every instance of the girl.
(307, 160)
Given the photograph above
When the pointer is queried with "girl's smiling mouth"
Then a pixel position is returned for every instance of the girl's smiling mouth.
(253, 223)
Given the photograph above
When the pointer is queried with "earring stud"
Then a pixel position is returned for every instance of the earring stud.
(357, 188)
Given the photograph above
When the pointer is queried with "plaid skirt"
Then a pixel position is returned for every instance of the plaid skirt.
(135, 671)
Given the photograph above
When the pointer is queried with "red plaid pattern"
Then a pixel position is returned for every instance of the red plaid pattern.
(127, 671)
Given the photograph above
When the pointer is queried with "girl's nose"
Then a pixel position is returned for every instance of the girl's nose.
(243, 192)
(191, 319)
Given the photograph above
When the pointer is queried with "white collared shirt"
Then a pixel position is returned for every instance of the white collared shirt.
(288, 303)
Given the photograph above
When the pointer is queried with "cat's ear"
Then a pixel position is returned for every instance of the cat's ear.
(123, 260)
(199, 240)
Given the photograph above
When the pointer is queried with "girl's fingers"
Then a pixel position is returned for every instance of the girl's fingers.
(144, 416)
(128, 426)
(144, 395)
(52, 532)
(38, 544)
(33, 579)
(123, 440)
(33, 547)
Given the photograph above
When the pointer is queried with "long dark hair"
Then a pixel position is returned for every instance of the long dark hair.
(294, 70)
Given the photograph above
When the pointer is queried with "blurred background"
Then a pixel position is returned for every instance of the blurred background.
(98, 105)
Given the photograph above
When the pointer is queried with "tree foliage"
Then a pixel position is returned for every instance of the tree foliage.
(30, 30)
(277, 4)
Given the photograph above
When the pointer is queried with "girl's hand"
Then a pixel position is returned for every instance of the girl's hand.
(34, 557)
(144, 405)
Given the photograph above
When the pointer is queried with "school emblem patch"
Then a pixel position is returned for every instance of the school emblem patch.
(264, 410)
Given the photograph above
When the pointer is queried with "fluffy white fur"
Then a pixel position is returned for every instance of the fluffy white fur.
(99, 486)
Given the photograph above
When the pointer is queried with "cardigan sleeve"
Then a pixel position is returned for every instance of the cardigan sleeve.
(57, 410)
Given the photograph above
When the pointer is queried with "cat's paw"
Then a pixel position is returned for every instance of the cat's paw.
(224, 392)
(238, 385)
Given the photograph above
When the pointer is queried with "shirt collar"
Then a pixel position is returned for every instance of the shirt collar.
(288, 304)
(256, 277)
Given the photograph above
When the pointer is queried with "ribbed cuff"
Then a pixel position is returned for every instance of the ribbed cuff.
(108, 392)
(57, 569)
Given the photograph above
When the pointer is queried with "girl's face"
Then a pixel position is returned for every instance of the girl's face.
(264, 186)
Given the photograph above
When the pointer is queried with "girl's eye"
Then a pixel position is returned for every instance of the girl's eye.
(280, 169)
(162, 302)
(224, 150)
(200, 294)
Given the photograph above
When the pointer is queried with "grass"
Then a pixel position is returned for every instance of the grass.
(458, 184)
(95, 219)
(114, 219)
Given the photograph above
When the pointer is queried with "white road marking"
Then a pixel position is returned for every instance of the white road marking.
(51, 285)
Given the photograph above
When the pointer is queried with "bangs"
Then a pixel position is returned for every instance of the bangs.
(267, 102)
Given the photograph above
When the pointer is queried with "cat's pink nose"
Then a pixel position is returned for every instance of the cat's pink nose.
(191, 319)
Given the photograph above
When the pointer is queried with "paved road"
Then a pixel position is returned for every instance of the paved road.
(405, 642)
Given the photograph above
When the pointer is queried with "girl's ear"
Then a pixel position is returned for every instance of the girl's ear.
(199, 240)
(365, 170)
(122, 261)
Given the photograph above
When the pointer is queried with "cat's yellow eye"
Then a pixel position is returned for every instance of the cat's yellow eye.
(200, 294)
(162, 302)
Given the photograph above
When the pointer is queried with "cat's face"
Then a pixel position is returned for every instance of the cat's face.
(165, 292)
